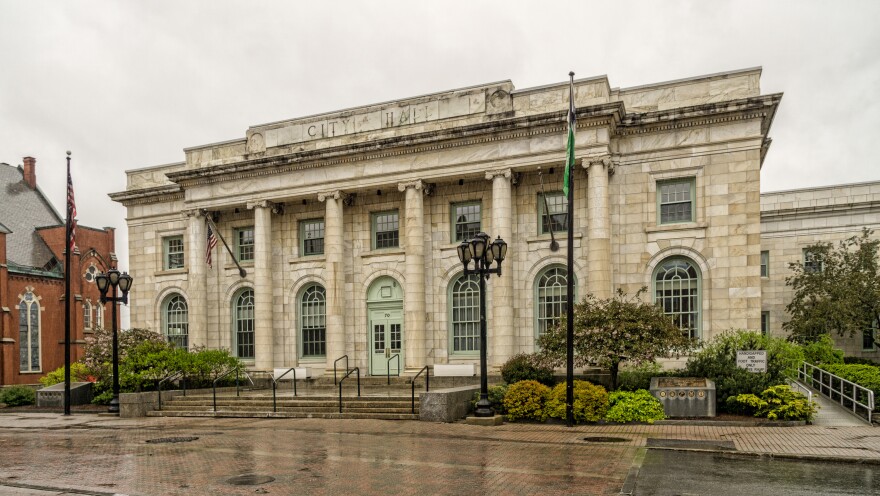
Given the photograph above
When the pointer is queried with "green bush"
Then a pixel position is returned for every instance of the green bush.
(634, 406)
(525, 400)
(822, 351)
(860, 361)
(589, 405)
(78, 373)
(775, 403)
(867, 376)
(717, 361)
(524, 367)
(496, 398)
(639, 377)
(17, 396)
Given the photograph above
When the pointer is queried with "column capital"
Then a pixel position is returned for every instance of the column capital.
(505, 173)
(334, 195)
(192, 212)
(417, 185)
(259, 204)
(604, 160)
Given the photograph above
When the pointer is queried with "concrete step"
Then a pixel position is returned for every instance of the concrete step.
(333, 415)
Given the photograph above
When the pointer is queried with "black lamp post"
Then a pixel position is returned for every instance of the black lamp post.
(122, 281)
(483, 253)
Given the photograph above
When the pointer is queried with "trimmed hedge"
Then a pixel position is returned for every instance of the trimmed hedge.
(867, 376)
(525, 400)
(590, 402)
(634, 406)
(18, 396)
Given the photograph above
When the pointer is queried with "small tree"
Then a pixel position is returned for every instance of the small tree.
(839, 291)
(610, 331)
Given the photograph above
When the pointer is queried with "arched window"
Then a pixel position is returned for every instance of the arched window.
(551, 297)
(87, 315)
(464, 315)
(313, 321)
(677, 291)
(29, 333)
(99, 316)
(243, 324)
(175, 321)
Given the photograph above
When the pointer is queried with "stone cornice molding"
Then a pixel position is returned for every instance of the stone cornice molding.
(505, 173)
(417, 185)
(259, 204)
(148, 195)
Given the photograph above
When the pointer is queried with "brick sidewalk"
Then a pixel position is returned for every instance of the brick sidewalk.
(310, 456)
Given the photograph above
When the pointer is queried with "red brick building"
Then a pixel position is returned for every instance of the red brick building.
(32, 248)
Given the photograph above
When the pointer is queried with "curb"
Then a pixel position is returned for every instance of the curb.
(782, 456)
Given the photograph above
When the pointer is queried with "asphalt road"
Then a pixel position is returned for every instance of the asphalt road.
(678, 473)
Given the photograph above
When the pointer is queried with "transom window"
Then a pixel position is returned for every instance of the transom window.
(172, 247)
(313, 321)
(29, 333)
(244, 244)
(551, 298)
(175, 321)
(243, 324)
(677, 291)
(765, 264)
(464, 305)
(386, 230)
(552, 212)
(311, 232)
(465, 220)
(675, 201)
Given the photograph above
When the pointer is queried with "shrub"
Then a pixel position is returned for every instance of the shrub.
(524, 367)
(822, 351)
(639, 377)
(496, 398)
(867, 376)
(589, 405)
(860, 361)
(17, 396)
(525, 400)
(202, 366)
(717, 361)
(775, 403)
(634, 406)
(78, 373)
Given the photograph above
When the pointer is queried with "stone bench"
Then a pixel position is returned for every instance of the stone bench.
(301, 373)
(455, 370)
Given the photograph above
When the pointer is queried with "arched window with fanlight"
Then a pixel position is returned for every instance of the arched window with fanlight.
(313, 321)
(243, 323)
(464, 315)
(175, 321)
(677, 290)
(551, 297)
(29, 332)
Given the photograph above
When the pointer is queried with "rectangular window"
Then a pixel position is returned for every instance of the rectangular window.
(765, 323)
(465, 220)
(869, 337)
(811, 262)
(552, 212)
(311, 232)
(675, 201)
(244, 244)
(386, 230)
(172, 247)
(765, 264)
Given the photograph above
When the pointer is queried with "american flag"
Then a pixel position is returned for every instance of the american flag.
(71, 211)
(212, 242)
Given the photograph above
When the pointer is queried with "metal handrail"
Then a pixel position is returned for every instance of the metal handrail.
(807, 391)
(340, 384)
(807, 372)
(334, 366)
(427, 372)
(171, 378)
(238, 373)
(388, 366)
(275, 383)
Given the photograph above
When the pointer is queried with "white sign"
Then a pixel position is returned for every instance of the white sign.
(752, 360)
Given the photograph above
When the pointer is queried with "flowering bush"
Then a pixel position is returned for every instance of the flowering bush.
(525, 400)
(589, 405)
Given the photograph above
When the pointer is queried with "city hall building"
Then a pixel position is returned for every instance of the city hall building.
(347, 223)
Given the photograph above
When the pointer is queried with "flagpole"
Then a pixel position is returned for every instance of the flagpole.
(67, 297)
(241, 271)
(569, 328)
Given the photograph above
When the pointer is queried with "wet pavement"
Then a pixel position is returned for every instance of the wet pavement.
(87, 454)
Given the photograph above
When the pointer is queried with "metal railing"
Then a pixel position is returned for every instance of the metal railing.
(427, 372)
(275, 384)
(849, 394)
(178, 375)
(343, 378)
(238, 373)
(388, 366)
(806, 391)
(334, 366)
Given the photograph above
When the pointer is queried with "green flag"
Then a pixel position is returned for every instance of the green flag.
(569, 148)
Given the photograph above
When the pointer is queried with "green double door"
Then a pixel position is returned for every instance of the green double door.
(386, 340)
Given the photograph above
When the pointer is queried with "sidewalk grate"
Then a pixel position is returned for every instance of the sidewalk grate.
(172, 440)
(250, 480)
(601, 439)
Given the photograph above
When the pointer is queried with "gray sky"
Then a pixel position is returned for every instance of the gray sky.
(127, 84)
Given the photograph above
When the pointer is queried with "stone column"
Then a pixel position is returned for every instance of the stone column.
(263, 325)
(334, 274)
(414, 299)
(197, 279)
(501, 335)
(599, 226)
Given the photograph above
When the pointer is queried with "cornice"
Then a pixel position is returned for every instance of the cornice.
(169, 192)
(818, 211)
(763, 107)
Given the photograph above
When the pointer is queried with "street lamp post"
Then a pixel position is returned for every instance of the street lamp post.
(123, 282)
(483, 253)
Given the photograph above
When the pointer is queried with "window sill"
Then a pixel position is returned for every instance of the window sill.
(172, 272)
(383, 252)
(561, 237)
(680, 226)
(29, 372)
(307, 259)
(312, 360)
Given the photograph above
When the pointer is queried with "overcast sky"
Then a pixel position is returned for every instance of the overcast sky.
(127, 84)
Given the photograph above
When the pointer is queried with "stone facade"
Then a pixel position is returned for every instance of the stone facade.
(421, 157)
